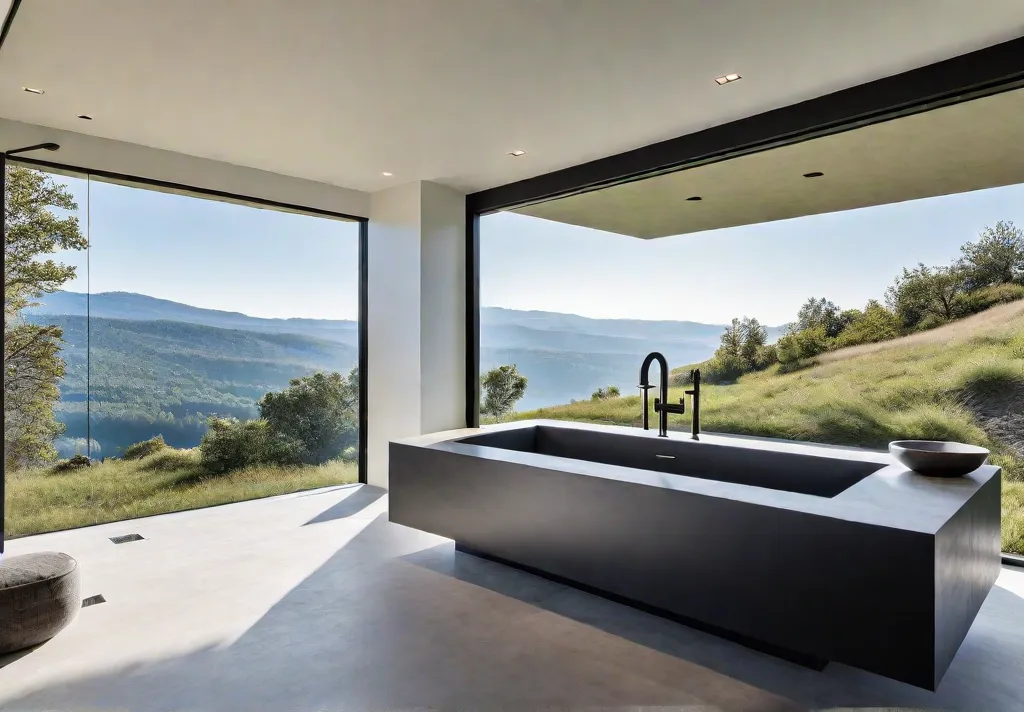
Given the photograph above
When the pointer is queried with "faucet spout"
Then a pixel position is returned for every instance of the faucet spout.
(661, 405)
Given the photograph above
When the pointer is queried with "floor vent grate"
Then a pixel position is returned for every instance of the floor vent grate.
(93, 600)
(126, 538)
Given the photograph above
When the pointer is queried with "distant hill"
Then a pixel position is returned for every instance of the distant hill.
(140, 307)
(149, 377)
(568, 357)
(565, 356)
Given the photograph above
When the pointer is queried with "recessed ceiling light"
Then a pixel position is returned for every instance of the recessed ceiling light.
(727, 79)
(695, 197)
(85, 116)
(814, 174)
(31, 90)
(517, 153)
(386, 174)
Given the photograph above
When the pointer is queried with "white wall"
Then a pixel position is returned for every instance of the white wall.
(132, 159)
(416, 317)
(442, 309)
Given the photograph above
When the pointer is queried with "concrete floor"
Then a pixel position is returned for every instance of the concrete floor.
(315, 601)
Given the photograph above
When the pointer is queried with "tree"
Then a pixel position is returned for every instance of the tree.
(319, 412)
(997, 257)
(819, 312)
(32, 363)
(732, 340)
(754, 336)
(926, 296)
(503, 387)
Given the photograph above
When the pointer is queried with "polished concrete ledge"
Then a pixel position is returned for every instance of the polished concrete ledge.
(883, 569)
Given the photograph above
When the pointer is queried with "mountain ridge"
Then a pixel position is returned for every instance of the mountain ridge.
(565, 356)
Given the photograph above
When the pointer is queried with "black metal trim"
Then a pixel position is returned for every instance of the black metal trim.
(980, 73)
(1013, 560)
(472, 319)
(195, 190)
(364, 351)
(8, 22)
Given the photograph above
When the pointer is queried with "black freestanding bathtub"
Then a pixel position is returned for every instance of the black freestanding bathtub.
(811, 552)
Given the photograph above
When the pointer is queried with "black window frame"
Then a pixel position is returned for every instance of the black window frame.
(210, 193)
(967, 77)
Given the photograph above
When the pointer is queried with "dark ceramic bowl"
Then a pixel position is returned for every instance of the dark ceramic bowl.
(936, 458)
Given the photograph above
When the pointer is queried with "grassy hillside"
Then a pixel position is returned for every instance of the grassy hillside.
(963, 382)
(44, 499)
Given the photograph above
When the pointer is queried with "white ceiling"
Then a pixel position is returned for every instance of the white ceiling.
(968, 146)
(339, 91)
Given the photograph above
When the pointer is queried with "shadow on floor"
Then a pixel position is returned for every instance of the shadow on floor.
(9, 658)
(396, 619)
(356, 502)
(985, 663)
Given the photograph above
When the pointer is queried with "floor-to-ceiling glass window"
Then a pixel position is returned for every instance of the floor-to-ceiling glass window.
(849, 327)
(187, 351)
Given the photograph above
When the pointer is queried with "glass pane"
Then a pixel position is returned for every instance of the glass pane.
(46, 279)
(200, 309)
(211, 352)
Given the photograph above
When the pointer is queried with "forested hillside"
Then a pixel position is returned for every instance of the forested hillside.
(565, 356)
(166, 377)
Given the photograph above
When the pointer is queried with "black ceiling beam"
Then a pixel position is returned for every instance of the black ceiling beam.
(996, 68)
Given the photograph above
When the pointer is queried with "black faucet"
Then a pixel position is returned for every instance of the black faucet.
(661, 405)
(694, 394)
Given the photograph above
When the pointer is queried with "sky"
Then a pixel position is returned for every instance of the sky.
(271, 264)
(765, 271)
(214, 255)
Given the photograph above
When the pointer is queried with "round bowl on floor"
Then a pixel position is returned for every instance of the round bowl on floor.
(937, 458)
(39, 596)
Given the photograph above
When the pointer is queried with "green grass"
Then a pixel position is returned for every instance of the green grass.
(919, 387)
(170, 480)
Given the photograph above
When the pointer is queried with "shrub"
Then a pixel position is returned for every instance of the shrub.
(799, 345)
(721, 369)
(603, 393)
(144, 449)
(231, 444)
(170, 459)
(72, 463)
(875, 324)
(318, 412)
(981, 299)
(765, 356)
